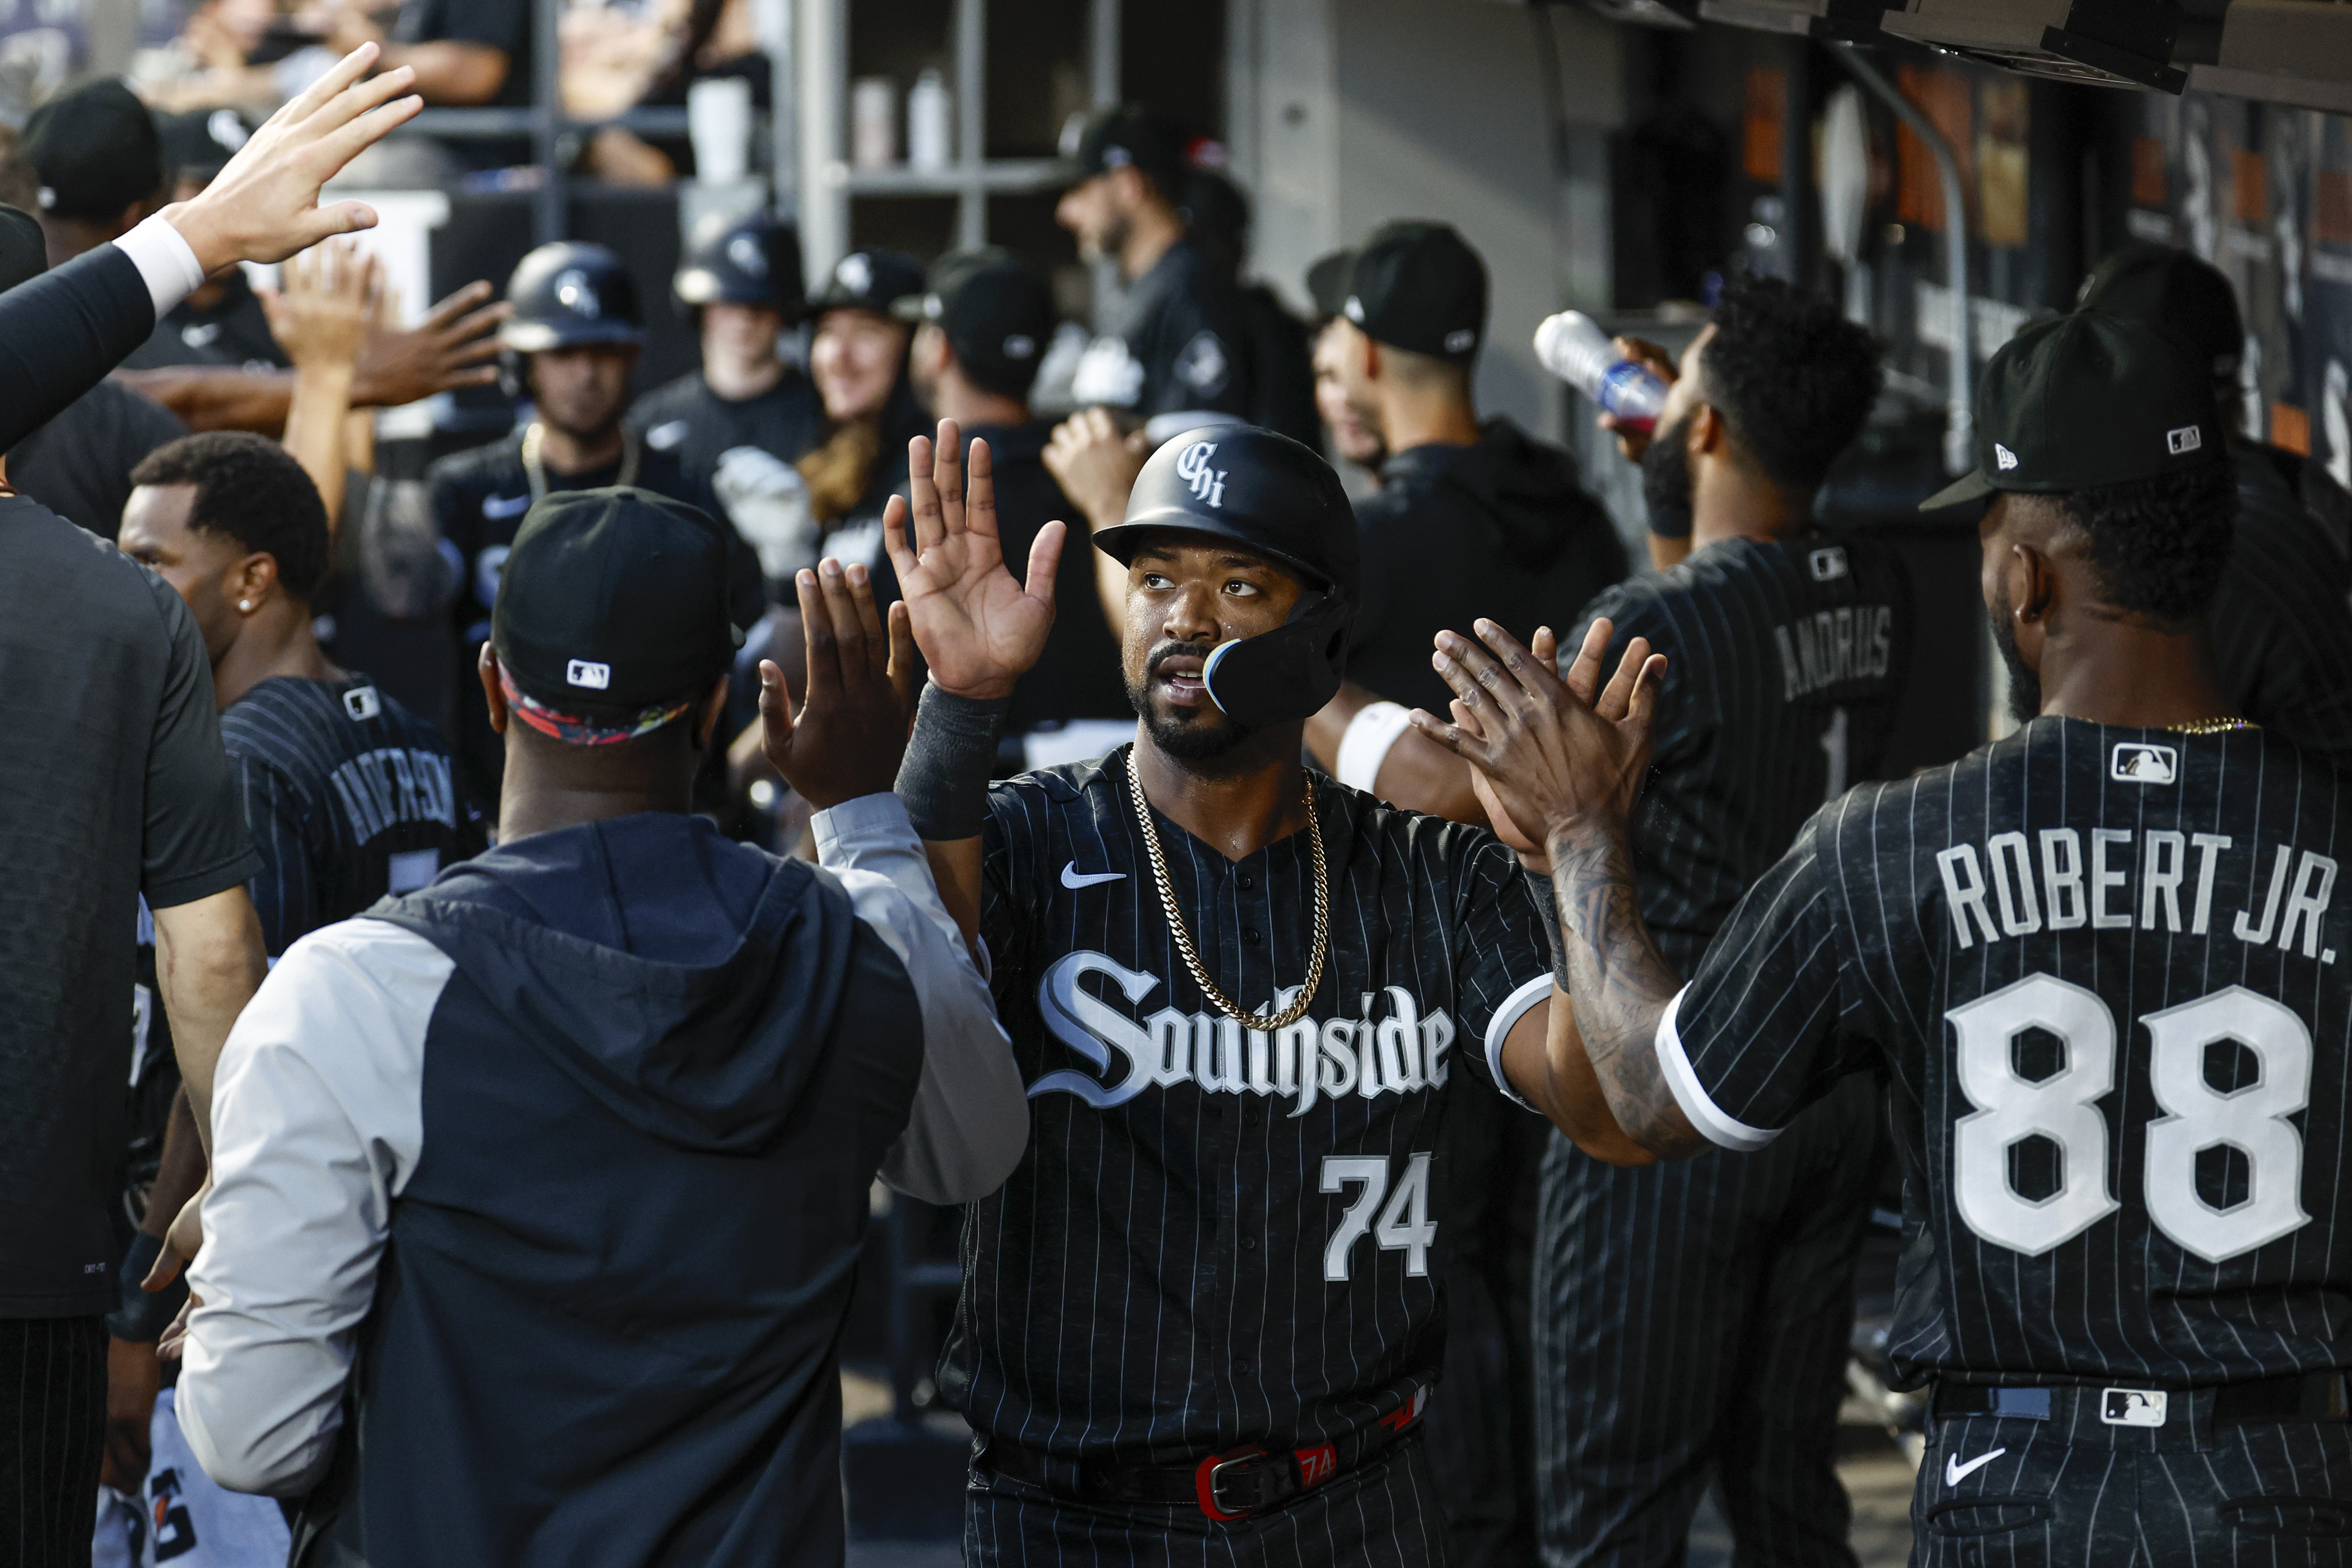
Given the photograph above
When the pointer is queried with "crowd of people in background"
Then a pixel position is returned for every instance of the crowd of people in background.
(768, 491)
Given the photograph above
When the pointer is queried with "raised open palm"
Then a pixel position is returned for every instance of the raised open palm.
(979, 629)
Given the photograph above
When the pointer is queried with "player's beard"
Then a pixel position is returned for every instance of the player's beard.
(2025, 685)
(1666, 480)
(1201, 735)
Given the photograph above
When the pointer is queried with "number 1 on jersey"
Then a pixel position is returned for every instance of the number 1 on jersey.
(1835, 746)
(1403, 1224)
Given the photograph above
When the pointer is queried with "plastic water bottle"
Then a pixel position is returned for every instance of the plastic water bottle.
(1572, 346)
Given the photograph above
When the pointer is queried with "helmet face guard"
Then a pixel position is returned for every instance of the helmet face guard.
(1284, 674)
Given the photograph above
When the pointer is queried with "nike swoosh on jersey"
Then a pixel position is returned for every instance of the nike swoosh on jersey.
(1956, 1472)
(505, 506)
(1073, 878)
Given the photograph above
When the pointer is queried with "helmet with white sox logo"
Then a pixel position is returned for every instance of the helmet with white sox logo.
(1272, 496)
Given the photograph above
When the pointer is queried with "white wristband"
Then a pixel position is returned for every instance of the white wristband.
(166, 261)
(1370, 733)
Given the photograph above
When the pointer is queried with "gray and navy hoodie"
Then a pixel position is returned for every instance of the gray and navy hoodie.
(538, 1194)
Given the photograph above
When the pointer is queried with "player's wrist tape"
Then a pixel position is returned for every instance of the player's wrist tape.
(144, 1314)
(1365, 744)
(1548, 906)
(944, 778)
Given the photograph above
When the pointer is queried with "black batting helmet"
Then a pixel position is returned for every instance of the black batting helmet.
(1275, 498)
(570, 295)
(753, 261)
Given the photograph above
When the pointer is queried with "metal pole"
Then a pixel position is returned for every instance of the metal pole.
(548, 201)
(775, 22)
(1102, 63)
(824, 67)
(971, 121)
(1960, 428)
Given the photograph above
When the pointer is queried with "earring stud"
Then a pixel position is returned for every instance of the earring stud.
(246, 605)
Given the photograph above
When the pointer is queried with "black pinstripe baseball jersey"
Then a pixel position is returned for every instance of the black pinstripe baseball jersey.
(2104, 972)
(1784, 665)
(2282, 613)
(1220, 1235)
(348, 795)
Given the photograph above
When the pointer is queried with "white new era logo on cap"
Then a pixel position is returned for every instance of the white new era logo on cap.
(2188, 439)
(1459, 340)
(588, 673)
(2004, 456)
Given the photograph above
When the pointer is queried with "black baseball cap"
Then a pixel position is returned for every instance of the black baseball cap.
(612, 614)
(1326, 284)
(2174, 291)
(2082, 401)
(96, 149)
(24, 252)
(868, 280)
(997, 314)
(1419, 287)
(1125, 135)
(199, 143)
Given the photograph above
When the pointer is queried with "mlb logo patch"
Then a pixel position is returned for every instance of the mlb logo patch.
(1828, 566)
(2136, 762)
(2133, 1407)
(361, 703)
(588, 673)
(2186, 439)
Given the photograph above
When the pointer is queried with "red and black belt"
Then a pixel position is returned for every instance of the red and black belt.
(1231, 1485)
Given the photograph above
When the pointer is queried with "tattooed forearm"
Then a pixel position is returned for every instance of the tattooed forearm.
(1619, 984)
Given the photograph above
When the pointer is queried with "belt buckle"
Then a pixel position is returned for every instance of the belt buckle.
(2133, 1407)
(1233, 1485)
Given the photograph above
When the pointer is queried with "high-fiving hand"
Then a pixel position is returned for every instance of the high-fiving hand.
(851, 729)
(979, 629)
(1551, 752)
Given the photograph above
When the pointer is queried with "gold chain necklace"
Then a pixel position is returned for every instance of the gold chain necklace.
(2213, 726)
(536, 471)
(1176, 926)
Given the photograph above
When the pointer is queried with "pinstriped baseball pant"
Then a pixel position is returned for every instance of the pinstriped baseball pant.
(2082, 1494)
(1694, 1317)
(52, 1421)
(1384, 1515)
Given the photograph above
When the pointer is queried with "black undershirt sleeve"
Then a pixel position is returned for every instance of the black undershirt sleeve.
(62, 332)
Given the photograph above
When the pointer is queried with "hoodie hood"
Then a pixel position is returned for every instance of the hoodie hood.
(686, 982)
(1527, 488)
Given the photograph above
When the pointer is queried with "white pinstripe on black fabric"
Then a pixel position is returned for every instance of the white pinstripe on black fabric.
(2077, 1494)
(52, 1423)
(1149, 1285)
(2282, 613)
(1848, 957)
(331, 797)
(1691, 1318)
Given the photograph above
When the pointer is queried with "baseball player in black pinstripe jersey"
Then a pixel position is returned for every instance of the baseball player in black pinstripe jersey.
(1198, 1323)
(2099, 966)
(1692, 1319)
